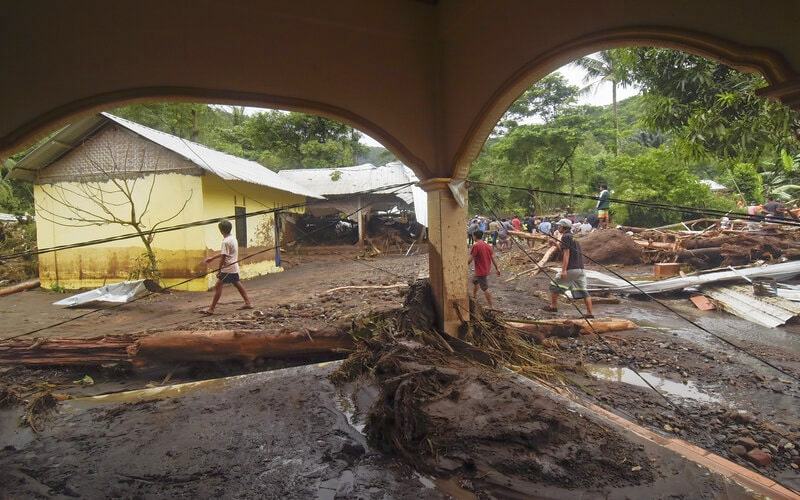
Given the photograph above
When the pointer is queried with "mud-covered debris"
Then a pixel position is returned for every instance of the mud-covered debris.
(9, 397)
(447, 411)
(39, 406)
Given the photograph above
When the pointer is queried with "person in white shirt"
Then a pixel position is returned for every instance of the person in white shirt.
(228, 267)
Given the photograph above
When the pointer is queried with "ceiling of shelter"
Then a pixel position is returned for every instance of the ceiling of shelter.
(427, 79)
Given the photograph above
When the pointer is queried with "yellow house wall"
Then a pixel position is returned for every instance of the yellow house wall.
(219, 199)
(179, 253)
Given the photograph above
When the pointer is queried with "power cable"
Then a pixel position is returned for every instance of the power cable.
(608, 346)
(642, 204)
(177, 227)
(75, 318)
(676, 313)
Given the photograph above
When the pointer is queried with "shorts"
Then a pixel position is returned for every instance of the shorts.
(481, 281)
(229, 278)
(574, 281)
(602, 214)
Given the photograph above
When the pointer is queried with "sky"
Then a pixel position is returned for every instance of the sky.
(599, 96)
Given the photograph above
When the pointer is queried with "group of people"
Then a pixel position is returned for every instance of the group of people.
(570, 278)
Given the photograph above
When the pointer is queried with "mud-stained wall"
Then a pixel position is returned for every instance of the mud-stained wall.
(220, 199)
(178, 252)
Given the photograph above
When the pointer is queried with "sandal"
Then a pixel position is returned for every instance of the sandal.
(550, 309)
(246, 306)
(588, 316)
(206, 312)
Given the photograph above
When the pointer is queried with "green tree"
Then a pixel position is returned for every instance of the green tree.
(655, 176)
(608, 66)
(711, 110)
(296, 140)
(544, 100)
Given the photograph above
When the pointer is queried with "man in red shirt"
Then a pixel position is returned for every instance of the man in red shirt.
(483, 257)
(516, 223)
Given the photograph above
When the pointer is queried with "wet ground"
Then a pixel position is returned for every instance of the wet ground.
(279, 434)
(708, 383)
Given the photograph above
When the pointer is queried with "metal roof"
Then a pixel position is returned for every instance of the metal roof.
(350, 180)
(343, 181)
(221, 164)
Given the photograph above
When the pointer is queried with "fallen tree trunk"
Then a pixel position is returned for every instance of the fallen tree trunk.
(242, 345)
(660, 245)
(570, 327)
(19, 287)
(66, 352)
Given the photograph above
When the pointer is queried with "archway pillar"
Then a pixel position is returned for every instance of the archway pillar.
(447, 255)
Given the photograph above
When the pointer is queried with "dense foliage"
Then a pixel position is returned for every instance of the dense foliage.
(695, 119)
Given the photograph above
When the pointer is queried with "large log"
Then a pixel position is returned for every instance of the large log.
(243, 345)
(19, 287)
(66, 352)
(560, 327)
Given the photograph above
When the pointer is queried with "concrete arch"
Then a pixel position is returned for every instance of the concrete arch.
(55, 118)
(784, 81)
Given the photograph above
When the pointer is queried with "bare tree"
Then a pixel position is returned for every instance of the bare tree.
(110, 192)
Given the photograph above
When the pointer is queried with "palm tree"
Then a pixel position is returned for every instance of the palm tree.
(607, 66)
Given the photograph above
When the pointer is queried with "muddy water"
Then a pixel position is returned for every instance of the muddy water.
(653, 315)
(689, 390)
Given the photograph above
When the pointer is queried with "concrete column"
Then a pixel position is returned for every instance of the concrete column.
(447, 254)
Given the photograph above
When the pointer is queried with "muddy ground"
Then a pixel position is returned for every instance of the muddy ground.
(723, 400)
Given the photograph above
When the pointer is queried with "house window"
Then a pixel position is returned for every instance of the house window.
(241, 226)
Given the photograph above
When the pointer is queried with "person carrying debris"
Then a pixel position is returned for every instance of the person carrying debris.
(483, 257)
(603, 206)
(228, 268)
(571, 277)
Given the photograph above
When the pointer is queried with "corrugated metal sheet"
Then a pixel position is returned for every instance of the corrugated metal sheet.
(784, 270)
(221, 164)
(342, 181)
(740, 301)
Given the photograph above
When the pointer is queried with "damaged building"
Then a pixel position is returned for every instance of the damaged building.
(379, 202)
(92, 174)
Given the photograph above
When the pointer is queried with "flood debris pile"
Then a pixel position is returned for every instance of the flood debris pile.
(455, 408)
(714, 246)
(611, 247)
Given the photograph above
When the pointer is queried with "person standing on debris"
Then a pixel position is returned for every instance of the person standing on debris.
(228, 268)
(603, 206)
(572, 276)
(483, 257)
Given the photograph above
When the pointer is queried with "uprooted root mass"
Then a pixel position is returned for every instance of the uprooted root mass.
(453, 408)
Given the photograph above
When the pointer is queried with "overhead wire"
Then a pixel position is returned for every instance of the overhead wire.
(688, 320)
(198, 276)
(176, 227)
(643, 204)
(608, 346)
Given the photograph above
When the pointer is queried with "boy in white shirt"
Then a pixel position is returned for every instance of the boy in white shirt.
(228, 267)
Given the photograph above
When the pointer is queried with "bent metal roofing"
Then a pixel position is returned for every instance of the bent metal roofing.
(221, 164)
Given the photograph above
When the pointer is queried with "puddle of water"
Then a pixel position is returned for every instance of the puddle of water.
(689, 390)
